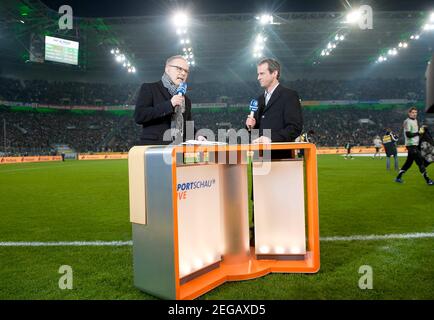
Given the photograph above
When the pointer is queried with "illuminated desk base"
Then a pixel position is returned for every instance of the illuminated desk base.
(247, 270)
(161, 223)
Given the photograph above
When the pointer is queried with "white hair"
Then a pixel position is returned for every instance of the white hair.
(168, 61)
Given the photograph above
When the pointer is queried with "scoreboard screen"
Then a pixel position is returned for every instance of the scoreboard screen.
(61, 50)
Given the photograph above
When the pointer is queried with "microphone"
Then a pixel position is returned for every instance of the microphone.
(253, 108)
(182, 89)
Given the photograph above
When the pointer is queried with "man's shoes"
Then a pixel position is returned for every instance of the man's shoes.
(430, 182)
(399, 180)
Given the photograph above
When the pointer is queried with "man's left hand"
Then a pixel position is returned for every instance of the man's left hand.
(262, 139)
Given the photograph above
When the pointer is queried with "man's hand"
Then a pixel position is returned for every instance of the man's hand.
(422, 130)
(201, 138)
(250, 122)
(177, 100)
(262, 139)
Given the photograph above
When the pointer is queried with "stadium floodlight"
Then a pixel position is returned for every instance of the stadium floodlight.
(428, 27)
(323, 53)
(118, 59)
(266, 19)
(353, 16)
(392, 52)
(405, 45)
(416, 37)
(133, 70)
(117, 51)
(187, 41)
(334, 45)
(329, 45)
(182, 41)
(180, 19)
(382, 59)
(124, 65)
(189, 49)
(327, 53)
(112, 51)
(337, 37)
(178, 31)
(193, 63)
(342, 38)
(431, 17)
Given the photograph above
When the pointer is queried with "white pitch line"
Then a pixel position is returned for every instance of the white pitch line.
(418, 235)
(68, 244)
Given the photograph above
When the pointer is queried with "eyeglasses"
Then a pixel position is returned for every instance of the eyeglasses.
(179, 69)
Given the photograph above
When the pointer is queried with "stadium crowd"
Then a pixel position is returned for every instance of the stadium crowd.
(32, 132)
(66, 93)
(37, 132)
(77, 93)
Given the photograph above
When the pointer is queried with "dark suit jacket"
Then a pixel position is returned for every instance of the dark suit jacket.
(283, 115)
(154, 112)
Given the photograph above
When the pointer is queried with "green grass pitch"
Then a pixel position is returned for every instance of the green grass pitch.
(88, 201)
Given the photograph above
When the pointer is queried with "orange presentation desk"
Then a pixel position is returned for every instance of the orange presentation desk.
(189, 209)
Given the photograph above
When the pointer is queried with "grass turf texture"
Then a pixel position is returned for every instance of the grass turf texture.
(88, 200)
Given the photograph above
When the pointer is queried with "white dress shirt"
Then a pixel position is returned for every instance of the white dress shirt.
(269, 94)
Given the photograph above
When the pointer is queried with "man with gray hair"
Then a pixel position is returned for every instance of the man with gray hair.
(159, 108)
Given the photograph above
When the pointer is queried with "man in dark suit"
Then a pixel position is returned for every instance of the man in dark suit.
(160, 110)
(279, 109)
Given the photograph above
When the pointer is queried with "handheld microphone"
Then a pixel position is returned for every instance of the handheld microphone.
(253, 108)
(182, 89)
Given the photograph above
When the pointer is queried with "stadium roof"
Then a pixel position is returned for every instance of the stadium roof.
(224, 42)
